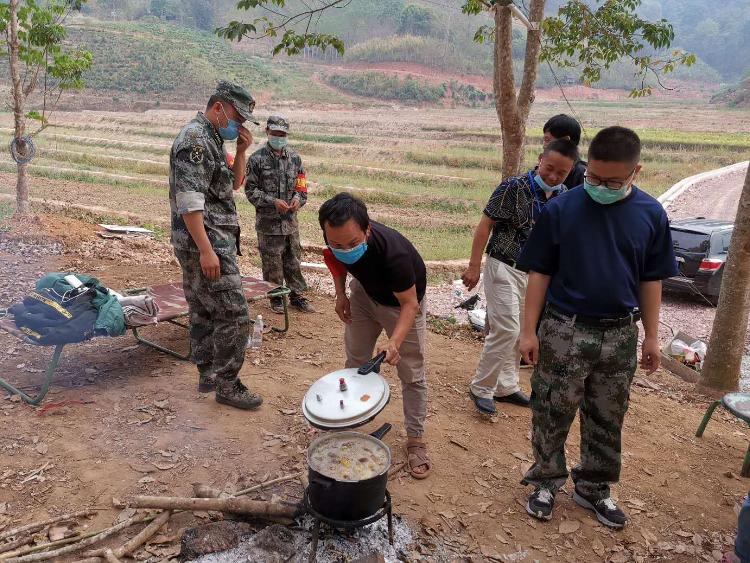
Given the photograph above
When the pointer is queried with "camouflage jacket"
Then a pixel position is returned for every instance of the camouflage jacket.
(271, 177)
(201, 180)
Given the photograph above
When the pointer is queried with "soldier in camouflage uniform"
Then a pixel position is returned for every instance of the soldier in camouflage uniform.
(277, 187)
(597, 257)
(206, 235)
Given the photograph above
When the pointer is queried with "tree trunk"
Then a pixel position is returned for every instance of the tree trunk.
(513, 108)
(22, 186)
(721, 369)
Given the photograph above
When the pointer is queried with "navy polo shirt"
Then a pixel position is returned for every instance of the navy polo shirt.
(598, 255)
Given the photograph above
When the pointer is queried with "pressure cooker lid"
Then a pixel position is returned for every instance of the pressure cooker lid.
(345, 399)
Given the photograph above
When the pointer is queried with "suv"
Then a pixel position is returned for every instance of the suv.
(701, 247)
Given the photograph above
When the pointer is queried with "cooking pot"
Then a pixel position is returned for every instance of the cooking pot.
(348, 499)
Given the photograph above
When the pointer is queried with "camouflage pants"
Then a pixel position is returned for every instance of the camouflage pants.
(219, 317)
(280, 256)
(591, 369)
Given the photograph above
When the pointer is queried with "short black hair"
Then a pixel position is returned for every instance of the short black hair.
(616, 144)
(342, 207)
(563, 125)
(564, 147)
(213, 99)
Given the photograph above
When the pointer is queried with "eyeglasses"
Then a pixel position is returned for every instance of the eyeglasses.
(611, 184)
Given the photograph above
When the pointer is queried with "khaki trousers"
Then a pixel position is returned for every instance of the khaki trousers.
(499, 365)
(369, 320)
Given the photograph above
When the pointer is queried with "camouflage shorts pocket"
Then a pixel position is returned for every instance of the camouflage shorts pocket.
(555, 341)
(230, 275)
(225, 283)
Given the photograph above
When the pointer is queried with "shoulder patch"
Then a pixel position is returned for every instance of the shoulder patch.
(196, 154)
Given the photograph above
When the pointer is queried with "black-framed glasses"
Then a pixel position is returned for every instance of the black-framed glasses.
(611, 184)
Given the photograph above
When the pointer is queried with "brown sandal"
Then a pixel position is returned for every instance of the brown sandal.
(417, 457)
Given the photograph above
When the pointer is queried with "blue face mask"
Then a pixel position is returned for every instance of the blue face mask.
(350, 256)
(546, 187)
(277, 143)
(231, 131)
(605, 196)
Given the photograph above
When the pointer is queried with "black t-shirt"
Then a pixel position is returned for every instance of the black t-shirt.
(575, 178)
(598, 255)
(390, 265)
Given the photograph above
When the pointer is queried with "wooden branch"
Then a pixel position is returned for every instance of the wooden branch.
(92, 539)
(531, 61)
(10, 546)
(111, 557)
(132, 544)
(260, 509)
(36, 526)
(204, 491)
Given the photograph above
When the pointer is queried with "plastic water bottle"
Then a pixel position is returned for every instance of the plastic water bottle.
(256, 339)
(458, 292)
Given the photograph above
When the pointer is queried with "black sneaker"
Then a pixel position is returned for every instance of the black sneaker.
(302, 304)
(235, 394)
(277, 305)
(485, 406)
(518, 398)
(606, 510)
(540, 504)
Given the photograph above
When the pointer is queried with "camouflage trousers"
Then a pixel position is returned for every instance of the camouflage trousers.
(280, 257)
(586, 368)
(219, 316)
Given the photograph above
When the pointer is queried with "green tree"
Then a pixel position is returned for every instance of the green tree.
(34, 35)
(721, 369)
(415, 20)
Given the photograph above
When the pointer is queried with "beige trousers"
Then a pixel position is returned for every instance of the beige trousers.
(369, 319)
(499, 365)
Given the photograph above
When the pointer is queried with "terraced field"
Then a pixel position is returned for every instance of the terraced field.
(426, 172)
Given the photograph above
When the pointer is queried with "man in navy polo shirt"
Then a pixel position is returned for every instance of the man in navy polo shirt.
(596, 260)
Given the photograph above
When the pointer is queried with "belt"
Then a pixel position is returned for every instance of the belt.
(597, 322)
(502, 258)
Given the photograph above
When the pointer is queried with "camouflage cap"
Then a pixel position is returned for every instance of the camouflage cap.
(240, 99)
(278, 123)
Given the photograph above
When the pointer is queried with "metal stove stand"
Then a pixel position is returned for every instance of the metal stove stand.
(385, 510)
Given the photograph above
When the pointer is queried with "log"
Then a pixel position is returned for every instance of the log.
(110, 557)
(205, 491)
(36, 526)
(259, 509)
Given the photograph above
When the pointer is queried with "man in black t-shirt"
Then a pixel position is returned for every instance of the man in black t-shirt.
(387, 294)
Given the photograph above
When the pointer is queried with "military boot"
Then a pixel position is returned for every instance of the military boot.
(206, 382)
(206, 379)
(235, 394)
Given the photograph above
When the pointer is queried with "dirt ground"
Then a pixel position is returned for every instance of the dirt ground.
(123, 420)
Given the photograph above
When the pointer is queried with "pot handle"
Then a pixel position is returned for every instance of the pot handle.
(372, 365)
(321, 481)
(382, 431)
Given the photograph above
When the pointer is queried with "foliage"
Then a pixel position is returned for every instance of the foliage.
(421, 50)
(466, 94)
(592, 39)
(377, 85)
(292, 41)
(45, 61)
(416, 20)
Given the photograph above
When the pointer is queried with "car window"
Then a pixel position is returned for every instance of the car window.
(689, 241)
(726, 238)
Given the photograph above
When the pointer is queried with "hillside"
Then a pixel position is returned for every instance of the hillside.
(169, 63)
